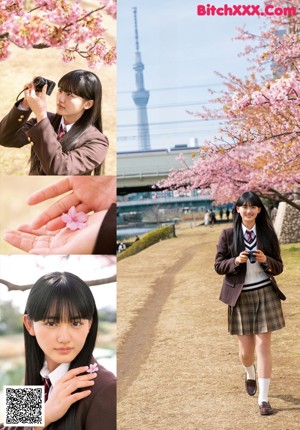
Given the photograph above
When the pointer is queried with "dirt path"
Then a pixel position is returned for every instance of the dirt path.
(177, 366)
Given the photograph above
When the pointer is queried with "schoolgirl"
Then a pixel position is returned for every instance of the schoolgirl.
(60, 329)
(249, 256)
(69, 142)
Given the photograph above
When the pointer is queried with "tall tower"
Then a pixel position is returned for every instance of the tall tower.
(140, 96)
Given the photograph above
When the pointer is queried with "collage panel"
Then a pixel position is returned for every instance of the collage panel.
(61, 309)
(65, 215)
(208, 215)
(58, 62)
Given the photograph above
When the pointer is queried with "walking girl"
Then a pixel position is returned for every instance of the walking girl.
(60, 329)
(249, 256)
(69, 142)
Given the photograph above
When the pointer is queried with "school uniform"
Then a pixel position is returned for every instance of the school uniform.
(87, 153)
(250, 290)
(107, 236)
(96, 411)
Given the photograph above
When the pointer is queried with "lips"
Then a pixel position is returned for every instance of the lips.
(63, 350)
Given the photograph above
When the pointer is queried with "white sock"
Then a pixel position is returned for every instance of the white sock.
(250, 371)
(264, 384)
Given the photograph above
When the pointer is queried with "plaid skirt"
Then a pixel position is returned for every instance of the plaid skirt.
(255, 312)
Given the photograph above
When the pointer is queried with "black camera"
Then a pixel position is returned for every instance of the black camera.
(39, 82)
(251, 257)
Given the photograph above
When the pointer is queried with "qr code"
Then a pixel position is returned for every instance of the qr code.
(24, 405)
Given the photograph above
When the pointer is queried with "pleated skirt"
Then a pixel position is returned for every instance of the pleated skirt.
(255, 312)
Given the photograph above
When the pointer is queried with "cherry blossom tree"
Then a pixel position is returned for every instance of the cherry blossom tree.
(258, 144)
(62, 24)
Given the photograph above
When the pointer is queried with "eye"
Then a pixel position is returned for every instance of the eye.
(76, 323)
(50, 323)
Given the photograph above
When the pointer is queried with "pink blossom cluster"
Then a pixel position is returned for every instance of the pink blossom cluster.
(63, 24)
(258, 145)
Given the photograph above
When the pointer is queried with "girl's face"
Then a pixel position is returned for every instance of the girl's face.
(61, 341)
(71, 106)
(248, 214)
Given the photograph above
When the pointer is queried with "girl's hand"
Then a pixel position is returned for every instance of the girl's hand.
(63, 396)
(260, 256)
(242, 258)
(36, 101)
(63, 241)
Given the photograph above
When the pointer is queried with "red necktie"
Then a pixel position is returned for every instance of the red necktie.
(61, 132)
(47, 385)
(249, 237)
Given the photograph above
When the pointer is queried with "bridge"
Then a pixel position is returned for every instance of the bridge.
(184, 204)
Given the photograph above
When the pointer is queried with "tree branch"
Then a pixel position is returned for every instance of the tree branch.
(14, 287)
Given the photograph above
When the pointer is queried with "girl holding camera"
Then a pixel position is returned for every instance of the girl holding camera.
(250, 290)
(60, 330)
(69, 142)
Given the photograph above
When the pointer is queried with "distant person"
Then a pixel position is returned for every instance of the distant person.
(227, 214)
(212, 218)
(69, 142)
(221, 214)
(250, 290)
(206, 218)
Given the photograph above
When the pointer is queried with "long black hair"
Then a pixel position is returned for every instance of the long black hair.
(87, 85)
(63, 296)
(264, 227)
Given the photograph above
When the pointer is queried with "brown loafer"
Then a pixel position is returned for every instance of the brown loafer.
(250, 385)
(265, 408)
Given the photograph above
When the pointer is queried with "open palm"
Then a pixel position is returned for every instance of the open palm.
(63, 241)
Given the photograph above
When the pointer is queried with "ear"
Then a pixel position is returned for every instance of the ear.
(88, 104)
(28, 323)
(259, 209)
(237, 209)
(90, 324)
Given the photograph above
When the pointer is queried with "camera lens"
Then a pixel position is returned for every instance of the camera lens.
(39, 82)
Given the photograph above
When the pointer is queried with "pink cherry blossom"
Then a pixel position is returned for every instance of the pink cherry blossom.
(93, 368)
(258, 142)
(63, 24)
(74, 220)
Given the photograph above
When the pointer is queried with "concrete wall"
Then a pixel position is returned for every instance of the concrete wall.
(287, 223)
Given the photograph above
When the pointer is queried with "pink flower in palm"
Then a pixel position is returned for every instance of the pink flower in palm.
(93, 368)
(74, 220)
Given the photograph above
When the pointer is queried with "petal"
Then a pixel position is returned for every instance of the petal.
(72, 212)
(81, 217)
(66, 218)
(81, 224)
(72, 225)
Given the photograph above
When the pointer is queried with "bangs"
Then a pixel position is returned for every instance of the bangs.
(73, 83)
(249, 199)
(62, 300)
(79, 82)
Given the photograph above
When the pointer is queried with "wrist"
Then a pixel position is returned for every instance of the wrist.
(236, 262)
(41, 116)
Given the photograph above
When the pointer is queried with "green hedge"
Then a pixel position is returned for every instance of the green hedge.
(147, 240)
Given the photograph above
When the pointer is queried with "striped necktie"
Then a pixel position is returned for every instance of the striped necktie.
(47, 385)
(249, 236)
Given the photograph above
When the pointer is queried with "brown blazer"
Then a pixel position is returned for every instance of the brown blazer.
(107, 236)
(98, 410)
(235, 275)
(17, 130)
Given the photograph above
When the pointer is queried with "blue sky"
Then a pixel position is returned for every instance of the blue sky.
(180, 51)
